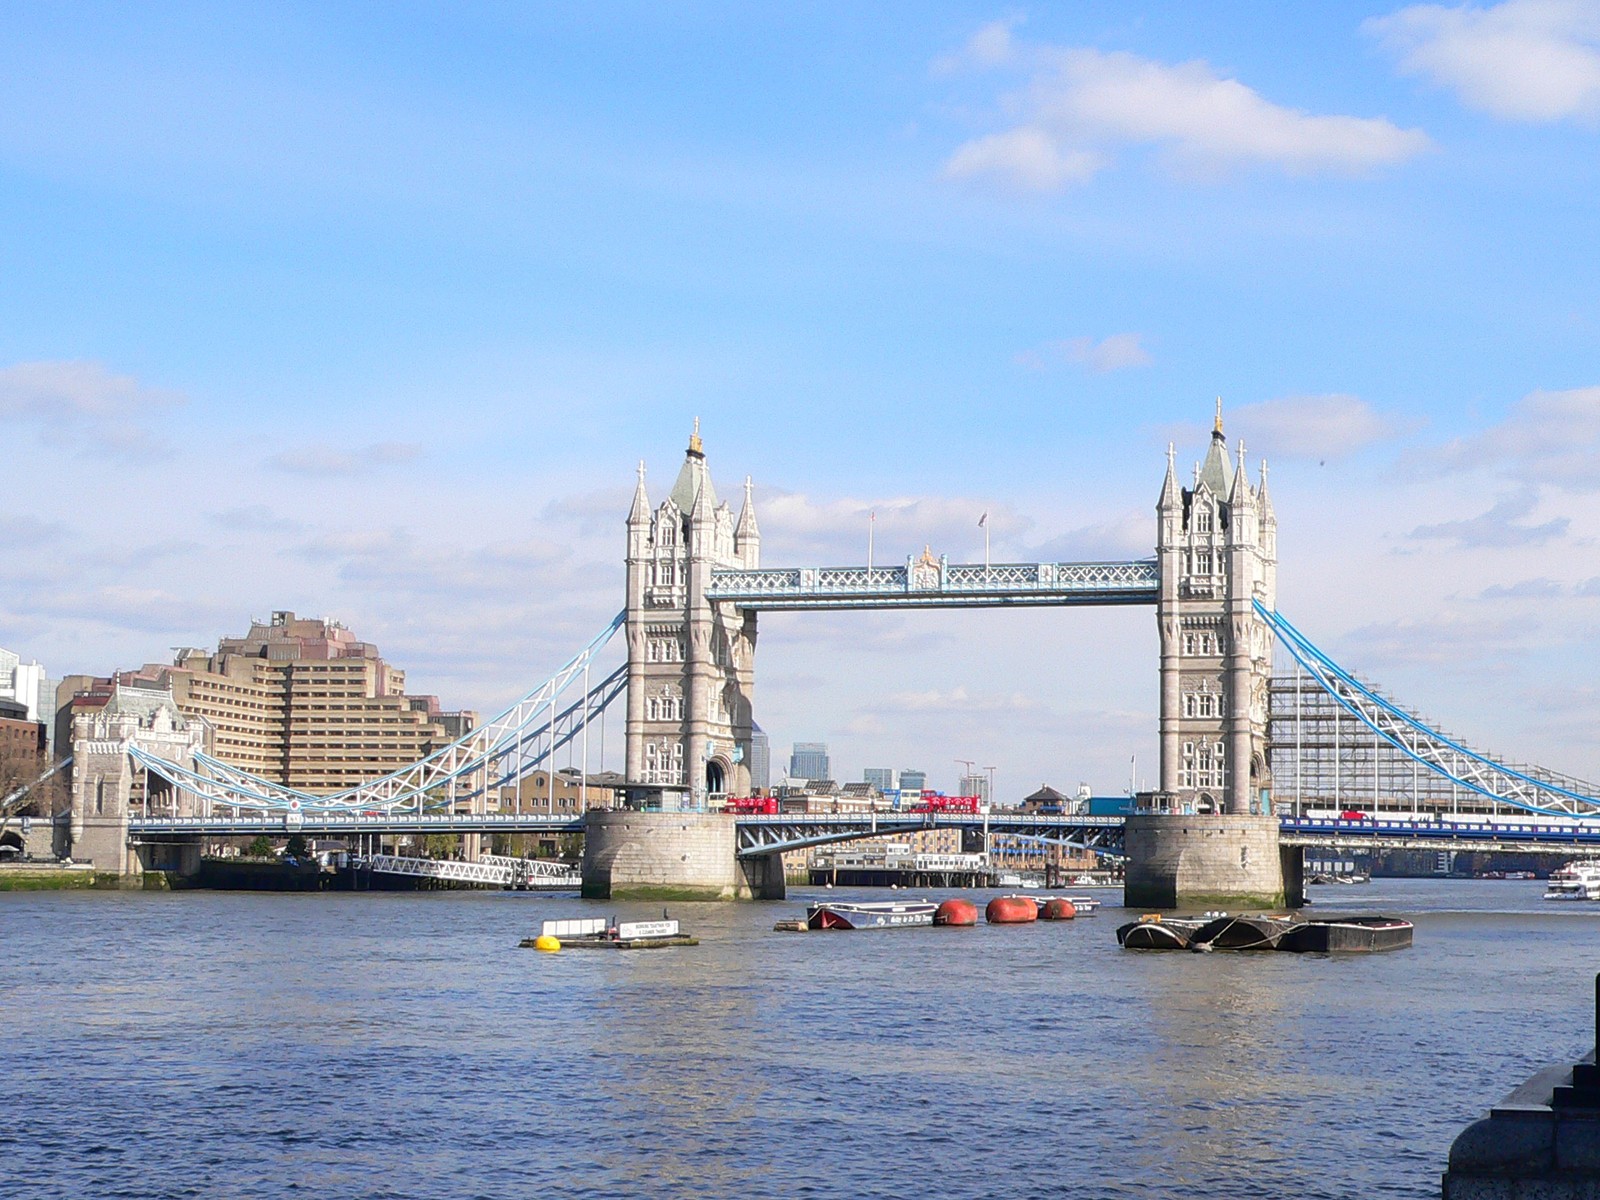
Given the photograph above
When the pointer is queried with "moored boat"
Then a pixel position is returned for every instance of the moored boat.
(1156, 932)
(1243, 932)
(871, 914)
(1347, 935)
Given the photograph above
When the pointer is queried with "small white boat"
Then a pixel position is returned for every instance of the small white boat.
(871, 914)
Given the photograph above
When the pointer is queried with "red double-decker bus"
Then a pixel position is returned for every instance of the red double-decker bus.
(946, 804)
(752, 806)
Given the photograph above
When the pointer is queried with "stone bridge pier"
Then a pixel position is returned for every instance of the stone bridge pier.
(672, 856)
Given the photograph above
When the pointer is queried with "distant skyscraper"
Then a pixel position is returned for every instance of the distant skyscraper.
(760, 758)
(913, 781)
(810, 761)
(976, 785)
(881, 778)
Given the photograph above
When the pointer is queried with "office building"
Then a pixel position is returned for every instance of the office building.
(810, 761)
(299, 701)
(760, 759)
(975, 785)
(881, 778)
(913, 781)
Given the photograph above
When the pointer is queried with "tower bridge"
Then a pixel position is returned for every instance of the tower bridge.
(1238, 744)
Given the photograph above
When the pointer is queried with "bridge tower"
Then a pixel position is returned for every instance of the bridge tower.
(691, 661)
(1217, 545)
(1213, 838)
(105, 786)
(691, 680)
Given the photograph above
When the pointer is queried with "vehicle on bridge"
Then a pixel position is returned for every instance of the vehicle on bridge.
(945, 804)
(752, 806)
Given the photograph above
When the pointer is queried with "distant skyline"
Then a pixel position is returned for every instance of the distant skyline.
(370, 311)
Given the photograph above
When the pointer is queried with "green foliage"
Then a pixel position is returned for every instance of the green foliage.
(260, 848)
(297, 846)
(440, 845)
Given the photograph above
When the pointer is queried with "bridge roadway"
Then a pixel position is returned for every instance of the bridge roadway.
(761, 835)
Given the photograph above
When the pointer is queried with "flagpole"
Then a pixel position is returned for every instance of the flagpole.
(872, 521)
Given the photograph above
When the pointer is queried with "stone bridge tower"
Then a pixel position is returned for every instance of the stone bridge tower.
(1212, 841)
(1216, 543)
(691, 660)
(106, 787)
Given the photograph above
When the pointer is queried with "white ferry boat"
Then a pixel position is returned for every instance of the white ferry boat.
(1575, 881)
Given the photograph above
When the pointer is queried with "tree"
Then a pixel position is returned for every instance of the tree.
(260, 848)
(28, 787)
(297, 847)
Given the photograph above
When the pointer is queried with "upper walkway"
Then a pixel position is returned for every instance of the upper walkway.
(934, 583)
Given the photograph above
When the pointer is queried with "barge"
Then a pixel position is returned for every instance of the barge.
(1347, 935)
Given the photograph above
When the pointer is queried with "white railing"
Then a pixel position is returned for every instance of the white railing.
(492, 869)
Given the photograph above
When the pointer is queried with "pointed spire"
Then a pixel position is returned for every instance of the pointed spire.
(1169, 485)
(1262, 497)
(1217, 472)
(695, 447)
(747, 529)
(640, 512)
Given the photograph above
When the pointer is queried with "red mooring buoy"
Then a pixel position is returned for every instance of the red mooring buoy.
(956, 912)
(1057, 909)
(1011, 910)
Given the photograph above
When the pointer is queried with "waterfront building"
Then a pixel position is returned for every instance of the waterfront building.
(300, 701)
(913, 781)
(26, 683)
(881, 778)
(567, 791)
(22, 744)
(809, 760)
(760, 759)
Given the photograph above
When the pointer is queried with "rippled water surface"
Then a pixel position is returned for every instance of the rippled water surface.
(391, 1045)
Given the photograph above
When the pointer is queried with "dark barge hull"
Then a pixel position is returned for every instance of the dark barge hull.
(1348, 935)
(1157, 935)
(1242, 933)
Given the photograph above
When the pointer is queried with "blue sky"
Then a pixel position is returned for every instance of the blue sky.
(368, 311)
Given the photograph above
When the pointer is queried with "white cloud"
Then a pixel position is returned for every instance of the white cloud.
(329, 462)
(1525, 60)
(1546, 438)
(1321, 427)
(1029, 158)
(83, 405)
(991, 46)
(1501, 527)
(1081, 105)
(1114, 353)
(799, 531)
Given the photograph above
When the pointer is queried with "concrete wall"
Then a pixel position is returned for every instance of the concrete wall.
(1216, 861)
(663, 856)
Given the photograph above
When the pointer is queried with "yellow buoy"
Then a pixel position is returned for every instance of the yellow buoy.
(545, 942)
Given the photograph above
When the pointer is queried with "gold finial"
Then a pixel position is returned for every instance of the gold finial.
(694, 439)
(1217, 428)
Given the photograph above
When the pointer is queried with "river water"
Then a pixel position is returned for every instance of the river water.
(400, 1045)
